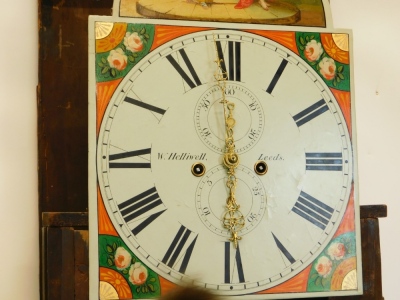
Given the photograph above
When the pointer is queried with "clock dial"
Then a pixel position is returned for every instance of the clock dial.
(166, 116)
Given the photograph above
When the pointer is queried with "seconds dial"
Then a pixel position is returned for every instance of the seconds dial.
(248, 111)
(250, 193)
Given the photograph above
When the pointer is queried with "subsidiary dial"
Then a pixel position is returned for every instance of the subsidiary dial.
(209, 118)
(250, 194)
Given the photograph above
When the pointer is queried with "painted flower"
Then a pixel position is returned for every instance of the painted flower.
(324, 266)
(117, 59)
(133, 42)
(336, 251)
(327, 68)
(122, 258)
(313, 50)
(138, 274)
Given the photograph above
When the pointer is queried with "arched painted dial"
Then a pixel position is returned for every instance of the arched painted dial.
(163, 118)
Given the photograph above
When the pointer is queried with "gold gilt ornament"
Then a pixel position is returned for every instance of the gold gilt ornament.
(233, 219)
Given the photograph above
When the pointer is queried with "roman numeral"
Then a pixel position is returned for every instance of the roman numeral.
(324, 161)
(145, 105)
(122, 155)
(311, 112)
(142, 206)
(237, 264)
(177, 249)
(234, 58)
(277, 75)
(284, 251)
(192, 82)
(313, 210)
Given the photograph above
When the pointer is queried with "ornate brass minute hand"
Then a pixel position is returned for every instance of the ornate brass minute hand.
(233, 219)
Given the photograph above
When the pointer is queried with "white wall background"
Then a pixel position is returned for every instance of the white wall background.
(376, 27)
(19, 224)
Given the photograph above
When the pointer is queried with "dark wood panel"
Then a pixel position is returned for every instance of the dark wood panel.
(373, 211)
(63, 101)
(81, 265)
(65, 219)
(66, 260)
(371, 260)
(59, 263)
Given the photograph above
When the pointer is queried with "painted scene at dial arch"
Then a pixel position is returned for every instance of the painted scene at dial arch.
(313, 13)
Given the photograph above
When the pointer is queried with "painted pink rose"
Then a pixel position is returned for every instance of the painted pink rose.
(117, 59)
(122, 258)
(324, 266)
(133, 42)
(138, 274)
(336, 251)
(313, 50)
(327, 68)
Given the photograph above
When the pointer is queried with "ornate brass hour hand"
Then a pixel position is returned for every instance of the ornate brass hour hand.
(233, 219)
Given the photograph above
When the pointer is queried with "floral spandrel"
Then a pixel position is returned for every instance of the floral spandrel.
(334, 266)
(127, 52)
(319, 54)
(116, 256)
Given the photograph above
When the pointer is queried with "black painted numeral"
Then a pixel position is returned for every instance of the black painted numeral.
(313, 210)
(310, 112)
(128, 154)
(234, 58)
(284, 251)
(192, 82)
(237, 264)
(321, 161)
(141, 205)
(145, 105)
(176, 249)
(277, 75)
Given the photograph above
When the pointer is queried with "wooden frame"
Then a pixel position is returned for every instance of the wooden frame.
(65, 268)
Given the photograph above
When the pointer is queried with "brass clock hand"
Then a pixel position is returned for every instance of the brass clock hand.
(233, 219)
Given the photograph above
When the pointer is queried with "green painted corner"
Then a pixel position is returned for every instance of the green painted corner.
(108, 246)
(340, 78)
(124, 56)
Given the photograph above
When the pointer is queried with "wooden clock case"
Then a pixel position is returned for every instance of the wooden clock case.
(62, 141)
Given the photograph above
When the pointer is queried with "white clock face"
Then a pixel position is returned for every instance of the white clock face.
(165, 117)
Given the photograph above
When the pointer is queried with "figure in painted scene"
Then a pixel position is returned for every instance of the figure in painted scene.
(240, 5)
(246, 3)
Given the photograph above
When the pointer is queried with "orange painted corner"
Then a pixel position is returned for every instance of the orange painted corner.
(333, 50)
(344, 100)
(165, 33)
(166, 286)
(104, 90)
(348, 221)
(294, 285)
(104, 222)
